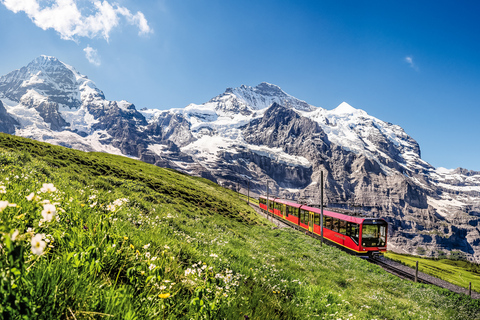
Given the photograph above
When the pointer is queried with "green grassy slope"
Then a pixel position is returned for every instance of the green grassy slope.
(460, 273)
(115, 238)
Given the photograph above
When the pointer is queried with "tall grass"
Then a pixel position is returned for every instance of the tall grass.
(96, 236)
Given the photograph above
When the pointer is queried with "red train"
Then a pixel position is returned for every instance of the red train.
(361, 236)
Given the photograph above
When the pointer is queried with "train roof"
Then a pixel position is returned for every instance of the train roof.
(325, 212)
(334, 214)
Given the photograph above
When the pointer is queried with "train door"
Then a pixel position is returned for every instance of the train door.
(284, 211)
(310, 221)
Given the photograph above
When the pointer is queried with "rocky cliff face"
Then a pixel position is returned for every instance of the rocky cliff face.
(7, 122)
(259, 134)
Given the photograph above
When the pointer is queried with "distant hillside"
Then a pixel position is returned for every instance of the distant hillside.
(93, 235)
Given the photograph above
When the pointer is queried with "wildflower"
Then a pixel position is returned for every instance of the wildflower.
(14, 235)
(3, 189)
(48, 212)
(131, 246)
(111, 207)
(146, 246)
(31, 196)
(213, 255)
(164, 295)
(147, 255)
(152, 266)
(48, 187)
(163, 287)
(3, 205)
(38, 245)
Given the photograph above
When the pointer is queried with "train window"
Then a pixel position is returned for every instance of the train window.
(290, 211)
(342, 227)
(327, 222)
(335, 224)
(352, 231)
(374, 235)
(294, 211)
(304, 216)
(317, 219)
(262, 201)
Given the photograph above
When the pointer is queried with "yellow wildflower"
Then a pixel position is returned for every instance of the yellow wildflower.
(164, 295)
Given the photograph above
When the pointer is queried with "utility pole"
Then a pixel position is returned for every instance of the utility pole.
(416, 272)
(321, 207)
(268, 211)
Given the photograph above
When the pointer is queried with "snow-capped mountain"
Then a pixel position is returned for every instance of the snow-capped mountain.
(259, 134)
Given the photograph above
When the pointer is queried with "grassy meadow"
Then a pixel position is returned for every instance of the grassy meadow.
(98, 236)
(458, 272)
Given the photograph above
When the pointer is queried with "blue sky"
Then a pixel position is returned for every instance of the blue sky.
(411, 63)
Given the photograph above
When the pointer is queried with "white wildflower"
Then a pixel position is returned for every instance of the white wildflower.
(14, 235)
(48, 187)
(3, 205)
(38, 245)
(48, 212)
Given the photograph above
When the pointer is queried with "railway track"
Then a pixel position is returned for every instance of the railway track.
(404, 273)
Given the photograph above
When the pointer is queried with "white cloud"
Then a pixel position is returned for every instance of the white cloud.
(92, 56)
(65, 17)
(409, 60)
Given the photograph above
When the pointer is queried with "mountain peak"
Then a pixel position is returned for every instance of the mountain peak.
(50, 77)
(268, 87)
(263, 96)
(43, 62)
(345, 108)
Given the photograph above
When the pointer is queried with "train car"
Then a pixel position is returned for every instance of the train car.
(362, 236)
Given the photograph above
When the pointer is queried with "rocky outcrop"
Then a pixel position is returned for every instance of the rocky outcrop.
(7, 122)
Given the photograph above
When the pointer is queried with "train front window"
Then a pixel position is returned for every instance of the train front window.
(374, 235)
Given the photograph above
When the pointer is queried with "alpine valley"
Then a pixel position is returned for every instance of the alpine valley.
(251, 135)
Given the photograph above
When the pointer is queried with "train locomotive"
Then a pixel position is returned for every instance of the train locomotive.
(356, 235)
